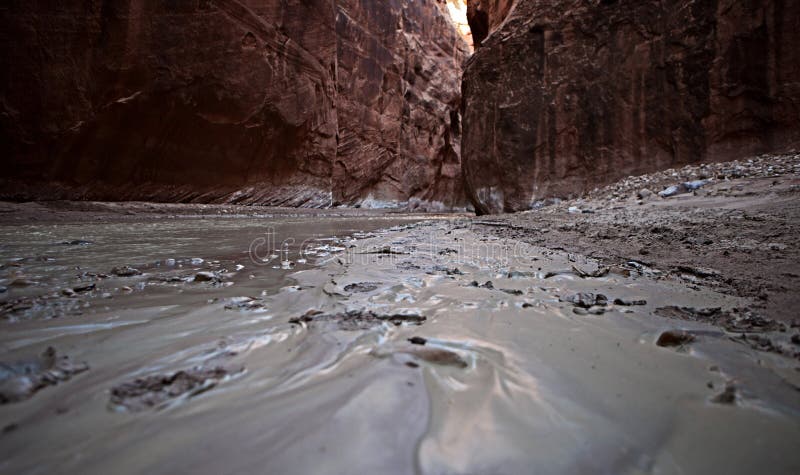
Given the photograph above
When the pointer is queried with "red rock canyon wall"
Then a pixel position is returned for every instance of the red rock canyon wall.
(282, 102)
(564, 95)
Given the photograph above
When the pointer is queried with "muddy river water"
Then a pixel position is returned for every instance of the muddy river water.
(395, 344)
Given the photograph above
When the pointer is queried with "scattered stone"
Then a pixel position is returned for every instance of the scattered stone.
(446, 270)
(417, 340)
(151, 391)
(671, 338)
(586, 299)
(486, 285)
(644, 194)
(68, 292)
(360, 287)
(412, 364)
(3, 289)
(682, 188)
(125, 271)
(447, 251)
(20, 380)
(796, 338)
(630, 301)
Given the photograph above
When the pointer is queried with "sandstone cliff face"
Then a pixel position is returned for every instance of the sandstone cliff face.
(282, 102)
(561, 96)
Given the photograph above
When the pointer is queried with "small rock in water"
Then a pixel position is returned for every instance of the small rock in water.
(84, 288)
(206, 276)
(417, 340)
(672, 338)
(486, 285)
(3, 289)
(67, 292)
(727, 396)
(125, 271)
(586, 299)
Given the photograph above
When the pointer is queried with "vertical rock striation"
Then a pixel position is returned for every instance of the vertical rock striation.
(564, 95)
(281, 102)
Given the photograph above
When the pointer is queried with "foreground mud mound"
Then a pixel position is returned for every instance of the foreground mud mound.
(562, 96)
(270, 102)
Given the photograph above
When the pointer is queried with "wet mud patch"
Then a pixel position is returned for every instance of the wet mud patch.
(438, 356)
(357, 319)
(734, 320)
(22, 379)
(154, 391)
(762, 342)
(42, 307)
(361, 287)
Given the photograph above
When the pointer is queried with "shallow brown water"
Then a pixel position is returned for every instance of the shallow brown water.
(507, 382)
